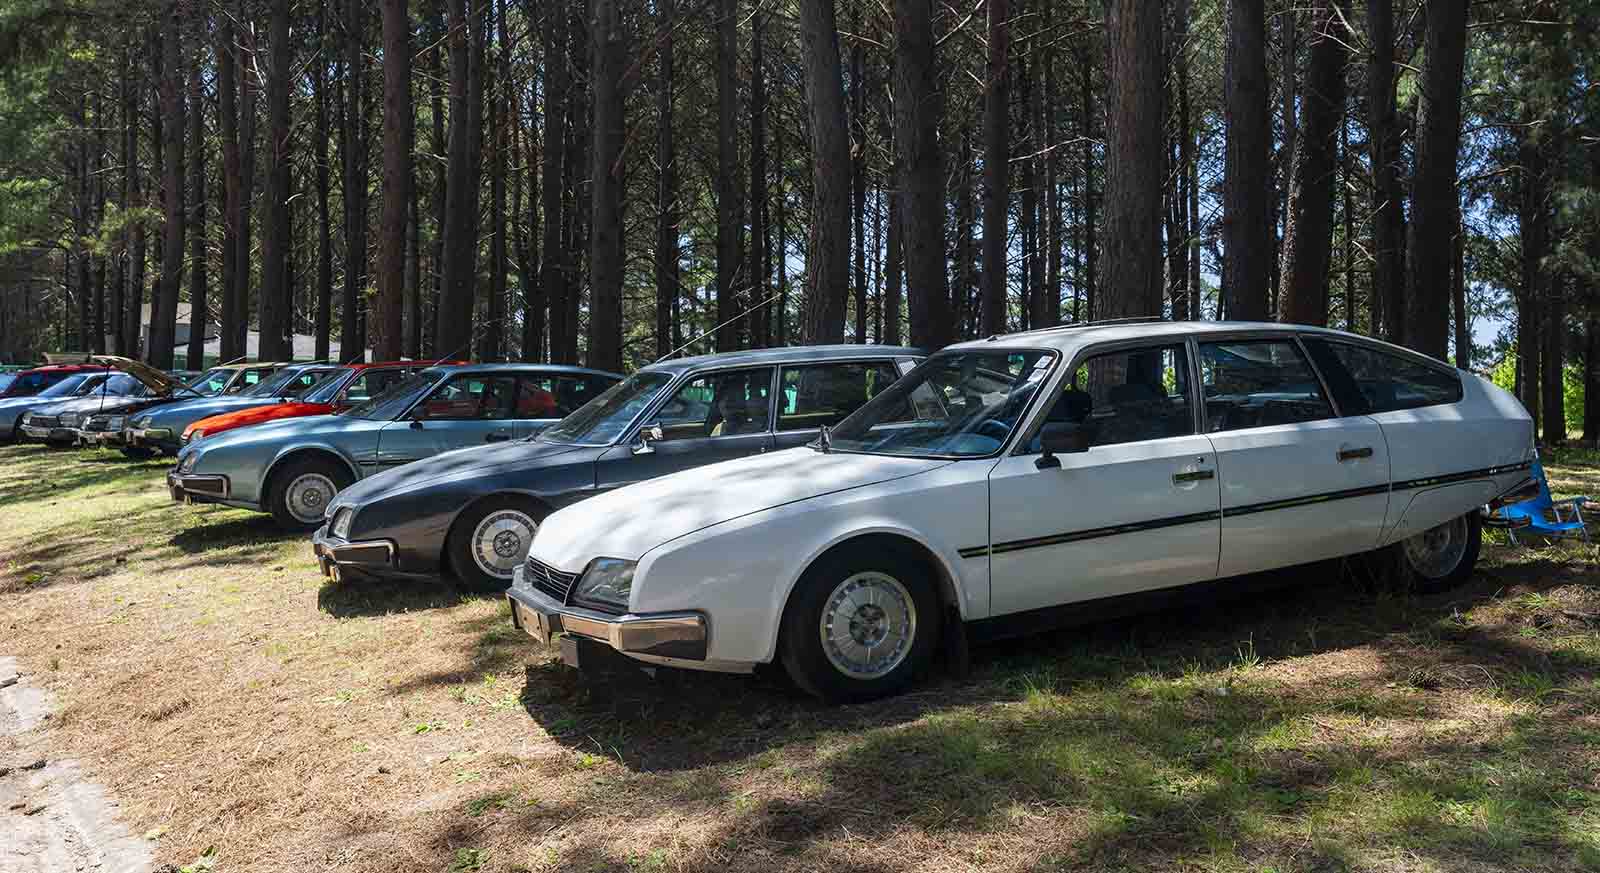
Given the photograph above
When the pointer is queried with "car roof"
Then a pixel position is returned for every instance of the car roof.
(360, 365)
(525, 368)
(1074, 336)
(785, 355)
(64, 368)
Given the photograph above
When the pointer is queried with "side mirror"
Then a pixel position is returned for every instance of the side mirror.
(648, 434)
(416, 424)
(1063, 438)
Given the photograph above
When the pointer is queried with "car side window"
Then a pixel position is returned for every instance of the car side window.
(472, 398)
(551, 396)
(1127, 396)
(370, 383)
(729, 403)
(1259, 383)
(824, 394)
(1375, 381)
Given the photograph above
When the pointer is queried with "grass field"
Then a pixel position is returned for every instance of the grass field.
(231, 699)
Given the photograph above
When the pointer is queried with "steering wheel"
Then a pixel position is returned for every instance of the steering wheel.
(994, 429)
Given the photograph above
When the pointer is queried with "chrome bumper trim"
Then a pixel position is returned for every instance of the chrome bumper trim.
(203, 487)
(329, 549)
(676, 635)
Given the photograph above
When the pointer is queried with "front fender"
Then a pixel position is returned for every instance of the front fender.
(323, 447)
(741, 573)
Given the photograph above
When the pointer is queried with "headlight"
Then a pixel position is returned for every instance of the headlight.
(341, 522)
(116, 422)
(27, 418)
(197, 433)
(186, 464)
(142, 422)
(70, 419)
(608, 582)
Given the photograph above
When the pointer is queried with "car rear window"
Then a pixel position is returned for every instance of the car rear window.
(1366, 380)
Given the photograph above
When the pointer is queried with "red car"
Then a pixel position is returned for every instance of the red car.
(31, 382)
(362, 382)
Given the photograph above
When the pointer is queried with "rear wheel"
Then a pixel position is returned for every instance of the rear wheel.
(862, 624)
(300, 492)
(1441, 557)
(491, 538)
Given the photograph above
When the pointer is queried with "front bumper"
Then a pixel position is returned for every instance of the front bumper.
(151, 437)
(59, 435)
(191, 488)
(332, 553)
(98, 437)
(676, 635)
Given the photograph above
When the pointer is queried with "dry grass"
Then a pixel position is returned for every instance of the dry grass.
(230, 699)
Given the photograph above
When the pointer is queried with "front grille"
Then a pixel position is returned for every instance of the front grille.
(548, 579)
(43, 421)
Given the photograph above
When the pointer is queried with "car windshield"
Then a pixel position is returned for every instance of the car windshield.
(326, 390)
(274, 385)
(210, 383)
(962, 404)
(74, 385)
(601, 421)
(118, 384)
(393, 403)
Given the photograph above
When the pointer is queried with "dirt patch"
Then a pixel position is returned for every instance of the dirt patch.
(54, 819)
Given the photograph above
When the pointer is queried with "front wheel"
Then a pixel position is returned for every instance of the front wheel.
(862, 624)
(300, 492)
(1442, 557)
(490, 539)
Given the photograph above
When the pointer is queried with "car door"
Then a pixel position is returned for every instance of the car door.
(1138, 510)
(710, 417)
(812, 395)
(1299, 483)
(469, 409)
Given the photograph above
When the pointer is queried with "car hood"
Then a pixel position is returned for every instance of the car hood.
(196, 408)
(224, 421)
(96, 403)
(156, 380)
(630, 521)
(315, 428)
(474, 461)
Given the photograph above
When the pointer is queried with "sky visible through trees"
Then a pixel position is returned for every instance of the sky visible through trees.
(607, 181)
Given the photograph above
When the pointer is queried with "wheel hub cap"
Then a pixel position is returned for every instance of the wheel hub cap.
(309, 495)
(1435, 553)
(501, 540)
(868, 625)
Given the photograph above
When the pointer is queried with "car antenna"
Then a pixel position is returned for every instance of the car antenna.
(468, 344)
(716, 328)
(825, 440)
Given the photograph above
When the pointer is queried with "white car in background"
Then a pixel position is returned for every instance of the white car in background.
(1028, 481)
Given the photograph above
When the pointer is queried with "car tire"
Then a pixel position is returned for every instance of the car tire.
(849, 603)
(301, 489)
(490, 538)
(1441, 557)
(138, 453)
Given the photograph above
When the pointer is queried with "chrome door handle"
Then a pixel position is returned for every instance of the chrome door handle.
(1193, 476)
(1353, 454)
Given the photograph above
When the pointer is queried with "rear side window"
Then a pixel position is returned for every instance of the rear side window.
(1369, 381)
(1259, 383)
(823, 394)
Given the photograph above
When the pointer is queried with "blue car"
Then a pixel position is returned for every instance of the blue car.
(292, 468)
(75, 386)
(161, 430)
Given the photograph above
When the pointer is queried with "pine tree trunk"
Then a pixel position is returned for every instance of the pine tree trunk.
(1458, 290)
(1591, 378)
(1308, 232)
(760, 233)
(668, 253)
(1433, 182)
(121, 340)
(319, 85)
(965, 321)
(579, 122)
(389, 304)
(275, 236)
(828, 254)
(894, 283)
(1534, 233)
(199, 295)
(164, 314)
(460, 236)
(1552, 362)
(1028, 221)
(1133, 149)
(729, 233)
(492, 343)
(1247, 237)
(552, 275)
(918, 112)
(1091, 244)
(606, 244)
(1383, 136)
(858, 181)
(249, 88)
(996, 170)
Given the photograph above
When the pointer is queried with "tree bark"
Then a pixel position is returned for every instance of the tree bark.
(273, 321)
(729, 233)
(1308, 232)
(1133, 149)
(858, 180)
(121, 340)
(1091, 226)
(918, 112)
(606, 249)
(1247, 237)
(760, 232)
(1388, 216)
(460, 233)
(1553, 364)
(552, 275)
(996, 169)
(828, 253)
(249, 87)
(199, 303)
(492, 343)
(1533, 214)
(965, 319)
(1458, 291)
(389, 304)
(164, 312)
(1433, 183)
(668, 253)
